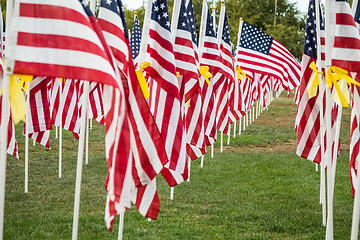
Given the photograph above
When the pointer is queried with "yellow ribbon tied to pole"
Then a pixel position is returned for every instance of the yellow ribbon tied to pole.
(17, 98)
(24, 80)
(314, 81)
(240, 72)
(333, 75)
(140, 76)
(204, 70)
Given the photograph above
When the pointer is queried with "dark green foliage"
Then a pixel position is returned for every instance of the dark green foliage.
(290, 23)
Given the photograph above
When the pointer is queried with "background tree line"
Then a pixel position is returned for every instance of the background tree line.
(290, 23)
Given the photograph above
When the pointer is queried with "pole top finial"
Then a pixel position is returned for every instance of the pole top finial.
(135, 12)
(214, 8)
(222, 2)
(241, 19)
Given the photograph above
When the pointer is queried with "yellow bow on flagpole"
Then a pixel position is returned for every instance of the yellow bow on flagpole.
(314, 81)
(240, 72)
(204, 70)
(143, 85)
(333, 75)
(17, 98)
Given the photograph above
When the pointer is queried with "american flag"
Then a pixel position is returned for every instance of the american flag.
(195, 135)
(146, 144)
(39, 47)
(164, 101)
(223, 94)
(185, 56)
(258, 52)
(308, 116)
(135, 39)
(210, 56)
(96, 104)
(39, 121)
(346, 51)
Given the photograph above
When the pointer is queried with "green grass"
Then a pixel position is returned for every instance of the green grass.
(257, 189)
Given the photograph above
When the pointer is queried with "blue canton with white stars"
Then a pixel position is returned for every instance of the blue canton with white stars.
(226, 32)
(310, 41)
(184, 23)
(160, 13)
(254, 39)
(209, 26)
(86, 7)
(357, 14)
(191, 17)
(135, 38)
(116, 7)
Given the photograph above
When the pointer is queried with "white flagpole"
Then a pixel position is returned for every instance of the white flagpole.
(189, 166)
(253, 117)
(60, 128)
(27, 141)
(212, 150)
(34, 141)
(221, 142)
(121, 226)
(91, 123)
(87, 141)
(316, 167)
(329, 138)
(202, 161)
(245, 117)
(172, 193)
(81, 150)
(4, 124)
(250, 114)
(234, 128)
(80, 161)
(228, 141)
(240, 125)
(56, 132)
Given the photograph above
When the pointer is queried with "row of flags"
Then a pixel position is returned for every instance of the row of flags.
(161, 92)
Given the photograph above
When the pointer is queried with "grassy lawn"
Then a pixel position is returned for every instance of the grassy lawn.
(257, 189)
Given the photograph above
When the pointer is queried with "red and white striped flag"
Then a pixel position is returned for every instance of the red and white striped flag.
(147, 147)
(346, 51)
(12, 148)
(210, 57)
(258, 52)
(307, 123)
(195, 132)
(165, 101)
(39, 121)
(186, 58)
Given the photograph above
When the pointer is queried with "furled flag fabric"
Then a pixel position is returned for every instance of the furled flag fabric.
(346, 51)
(165, 102)
(258, 52)
(39, 119)
(195, 135)
(355, 115)
(308, 116)
(222, 98)
(146, 143)
(185, 57)
(135, 39)
(12, 147)
(354, 137)
(210, 57)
